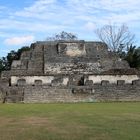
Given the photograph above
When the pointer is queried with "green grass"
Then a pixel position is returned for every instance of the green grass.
(82, 121)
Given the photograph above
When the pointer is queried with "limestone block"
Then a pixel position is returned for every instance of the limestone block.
(136, 82)
(89, 83)
(57, 81)
(21, 82)
(120, 82)
(25, 55)
(16, 64)
(38, 82)
(71, 49)
(104, 82)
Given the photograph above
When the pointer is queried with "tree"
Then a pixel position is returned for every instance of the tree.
(5, 62)
(133, 56)
(1, 65)
(116, 37)
(63, 36)
(19, 52)
(15, 55)
(12, 55)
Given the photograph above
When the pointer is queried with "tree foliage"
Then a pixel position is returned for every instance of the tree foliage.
(133, 56)
(1, 65)
(5, 62)
(63, 36)
(116, 37)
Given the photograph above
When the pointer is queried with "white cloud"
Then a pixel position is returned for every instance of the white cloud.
(37, 8)
(40, 5)
(111, 5)
(97, 11)
(19, 40)
(50, 16)
(90, 26)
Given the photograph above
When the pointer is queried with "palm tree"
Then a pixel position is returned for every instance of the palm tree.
(133, 56)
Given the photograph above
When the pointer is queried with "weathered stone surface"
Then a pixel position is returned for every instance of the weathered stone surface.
(104, 82)
(136, 82)
(89, 83)
(120, 82)
(69, 71)
(66, 58)
(38, 82)
(1, 94)
(96, 93)
(113, 78)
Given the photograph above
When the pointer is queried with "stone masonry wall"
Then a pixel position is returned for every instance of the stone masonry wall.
(1, 99)
(96, 93)
(122, 92)
(45, 80)
(62, 71)
(65, 79)
(103, 91)
(66, 58)
(113, 78)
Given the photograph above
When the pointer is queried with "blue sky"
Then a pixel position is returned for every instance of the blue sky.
(25, 21)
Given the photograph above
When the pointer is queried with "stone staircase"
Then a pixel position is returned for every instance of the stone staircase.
(10, 94)
(13, 95)
(47, 95)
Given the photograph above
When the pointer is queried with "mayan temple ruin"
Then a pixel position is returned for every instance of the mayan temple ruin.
(69, 71)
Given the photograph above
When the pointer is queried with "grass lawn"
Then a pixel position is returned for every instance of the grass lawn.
(82, 121)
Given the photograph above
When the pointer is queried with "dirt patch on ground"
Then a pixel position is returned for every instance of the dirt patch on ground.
(39, 121)
(5, 121)
(35, 121)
